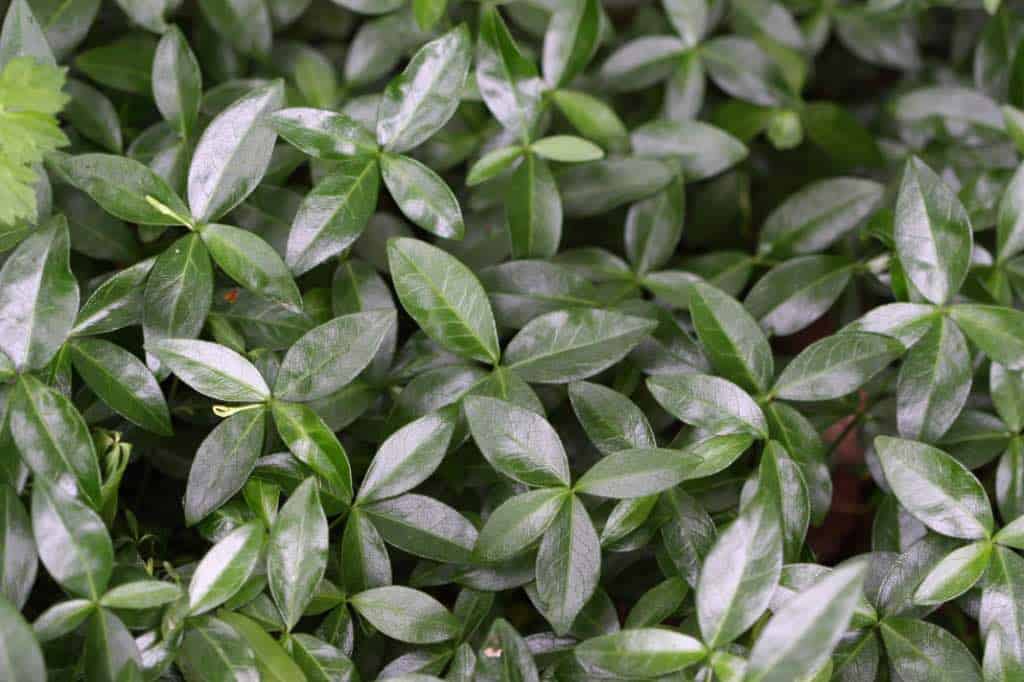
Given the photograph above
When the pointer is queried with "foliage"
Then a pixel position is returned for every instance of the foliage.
(363, 339)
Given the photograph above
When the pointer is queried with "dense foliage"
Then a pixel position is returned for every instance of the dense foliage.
(511, 341)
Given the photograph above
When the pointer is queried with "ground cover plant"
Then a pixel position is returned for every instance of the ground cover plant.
(511, 341)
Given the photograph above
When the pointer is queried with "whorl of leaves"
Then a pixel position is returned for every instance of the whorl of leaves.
(557, 340)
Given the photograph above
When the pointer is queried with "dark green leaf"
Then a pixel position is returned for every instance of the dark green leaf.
(517, 442)
(53, 439)
(406, 615)
(836, 366)
(297, 552)
(643, 652)
(123, 382)
(935, 488)
(732, 339)
(330, 356)
(570, 345)
(934, 382)
(223, 463)
(333, 214)
(73, 543)
(418, 102)
(38, 298)
(444, 297)
(932, 233)
(233, 153)
(226, 567)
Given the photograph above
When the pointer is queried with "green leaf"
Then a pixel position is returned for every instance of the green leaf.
(315, 445)
(322, 134)
(94, 116)
(642, 62)
(643, 652)
(637, 473)
(932, 233)
(141, 594)
(233, 154)
(570, 345)
(178, 293)
(408, 457)
(794, 294)
(571, 39)
(116, 303)
(518, 443)
(688, 535)
(423, 197)
(798, 638)
(594, 188)
(1000, 615)
(1007, 395)
(225, 568)
(955, 574)
(22, 36)
(73, 543)
(654, 227)
(996, 330)
(177, 81)
(506, 656)
(492, 164)
(518, 523)
(818, 215)
(123, 382)
(351, 341)
(709, 403)
(320, 661)
(917, 648)
(212, 369)
(123, 186)
(612, 421)
(212, 650)
(125, 64)
(272, 662)
(731, 338)
(61, 619)
(507, 80)
(252, 262)
(657, 604)
(53, 439)
(17, 547)
(38, 297)
(524, 289)
(937, 489)
(245, 24)
(743, 69)
(20, 655)
(297, 552)
(742, 568)
(423, 527)
(701, 150)
(592, 118)
(689, 18)
(1009, 483)
(836, 366)
(223, 463)
(406, 615)
(444, 297)
(567, 149)
(110, 650)
(533, 208)
(934, 383)
(568, 565)
(364, 558)
(333, 214)
(420, 100)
